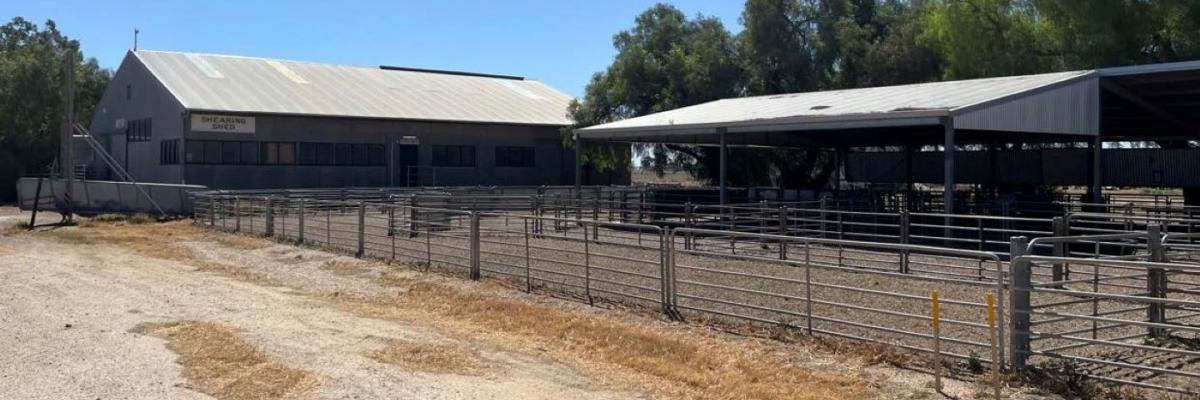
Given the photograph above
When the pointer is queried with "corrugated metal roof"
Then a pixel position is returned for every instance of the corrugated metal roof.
(255, 85)
(922, 100)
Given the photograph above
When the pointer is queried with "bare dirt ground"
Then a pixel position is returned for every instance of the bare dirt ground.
(120, 310)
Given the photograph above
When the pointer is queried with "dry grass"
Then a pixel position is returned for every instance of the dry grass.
(662, 360)
(218, 363)
(162, 241)
(346, 268)
(426, 357)
(14, 228)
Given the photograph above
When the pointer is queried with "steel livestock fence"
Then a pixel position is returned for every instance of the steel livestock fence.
(849, 274)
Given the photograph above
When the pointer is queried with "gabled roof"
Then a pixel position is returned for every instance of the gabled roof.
(902, 105)
(221, 83)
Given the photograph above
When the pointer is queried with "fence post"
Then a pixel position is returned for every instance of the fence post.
(300, 224)
(689, 211)
(475, 270)
(905, 238)
(1019, 298)
(596, 216)
(412, 216)
(213, 206)
(362, 227)
(763, 211)
(1156, 281)
(667, 244)
(822, 204)
(237, 214)
(269, 218)
(783, 231)
(1059, 272)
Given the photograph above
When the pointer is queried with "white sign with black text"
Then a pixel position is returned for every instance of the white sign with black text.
(222, 123)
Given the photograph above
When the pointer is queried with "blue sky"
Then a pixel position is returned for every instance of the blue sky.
(561, 43)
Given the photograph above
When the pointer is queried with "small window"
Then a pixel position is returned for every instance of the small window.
(361, 154)
(195, 152)
(138, 130)
(128, 91)
(249, 152)
(287, 153)
(376, 155)
(168, 152)
(345, 154)
(306, 154)
(212, 152)
(514, 156)
(230, 153)
(453, 156)
(325, 154)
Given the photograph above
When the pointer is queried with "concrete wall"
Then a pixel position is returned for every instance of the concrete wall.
(95, 197)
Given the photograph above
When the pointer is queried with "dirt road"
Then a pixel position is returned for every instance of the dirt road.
(67, 312)
(114, 310)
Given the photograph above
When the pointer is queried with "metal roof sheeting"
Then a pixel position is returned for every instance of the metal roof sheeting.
(223, 83)
(866, 107)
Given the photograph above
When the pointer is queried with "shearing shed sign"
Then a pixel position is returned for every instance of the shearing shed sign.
(222, 123)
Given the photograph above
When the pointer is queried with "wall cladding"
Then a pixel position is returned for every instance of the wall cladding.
(1057, 167)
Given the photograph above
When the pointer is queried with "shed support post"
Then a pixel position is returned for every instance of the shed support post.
(1095, 146)
(721, 133)
(908, 171)
(578, 167)
(948, 165)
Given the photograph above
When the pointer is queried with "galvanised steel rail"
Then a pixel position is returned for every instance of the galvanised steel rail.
(1120, 333)
(769, 265)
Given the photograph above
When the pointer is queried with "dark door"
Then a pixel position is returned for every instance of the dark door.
(406, 164)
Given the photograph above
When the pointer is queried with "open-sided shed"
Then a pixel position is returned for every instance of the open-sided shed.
(1149, 102)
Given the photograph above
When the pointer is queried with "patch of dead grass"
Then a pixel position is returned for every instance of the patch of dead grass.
(667, 362)
(162, 241)
(346, 268)
(428, 357)
(218, 363)
(664, 361)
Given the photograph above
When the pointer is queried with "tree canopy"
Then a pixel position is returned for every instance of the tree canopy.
(668, 60)
(31, 59)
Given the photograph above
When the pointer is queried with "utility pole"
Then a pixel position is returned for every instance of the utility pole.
(67, 155)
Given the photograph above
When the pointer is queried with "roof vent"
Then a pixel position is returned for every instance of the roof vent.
(819, 107)
(448, 72)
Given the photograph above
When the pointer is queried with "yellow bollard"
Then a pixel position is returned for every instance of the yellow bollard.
(991, 310)
(937, 341)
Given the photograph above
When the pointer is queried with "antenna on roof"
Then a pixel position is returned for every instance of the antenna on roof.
(135, 35)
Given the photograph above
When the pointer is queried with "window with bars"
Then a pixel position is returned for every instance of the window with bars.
(138, 130)
(168, 152)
